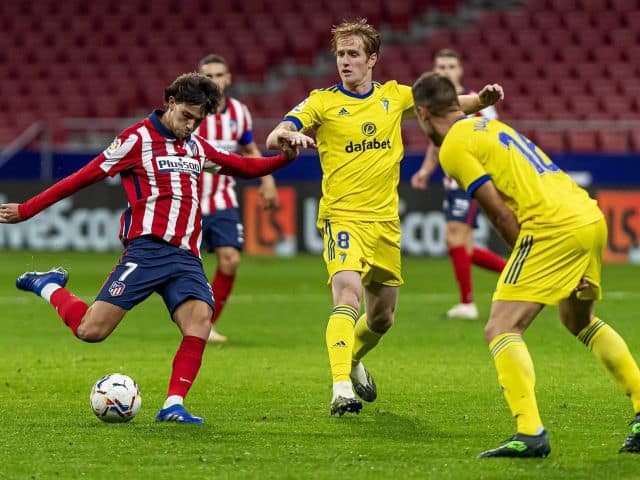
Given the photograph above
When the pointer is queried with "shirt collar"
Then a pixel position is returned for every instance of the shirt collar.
(355, 95)
(154, 118)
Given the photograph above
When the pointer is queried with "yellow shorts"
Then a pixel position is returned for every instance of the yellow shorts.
(371, 248)
(547, 266)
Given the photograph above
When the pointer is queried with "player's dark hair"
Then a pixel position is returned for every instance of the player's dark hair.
(369, 35)
(448, 53)
(194, 89)
(435, 92)
(212, 58)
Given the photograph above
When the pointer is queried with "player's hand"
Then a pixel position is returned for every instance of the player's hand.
(9, 213)
(420, 180)
(269, 194)
(583, 285)
(490, 95)
(296, 139)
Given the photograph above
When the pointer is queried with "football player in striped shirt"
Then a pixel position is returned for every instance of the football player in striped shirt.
(228, 128)
(558, 235)
(460, 209)
(160, 161)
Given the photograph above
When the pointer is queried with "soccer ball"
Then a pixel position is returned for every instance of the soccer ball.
(115, 398)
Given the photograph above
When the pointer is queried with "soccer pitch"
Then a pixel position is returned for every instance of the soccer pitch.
(265, 396)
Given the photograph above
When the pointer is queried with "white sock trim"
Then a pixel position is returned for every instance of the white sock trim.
(49, 290)
(173, 400)
(343, 389)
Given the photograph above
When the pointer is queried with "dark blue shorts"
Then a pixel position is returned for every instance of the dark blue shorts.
(460, 207)
(150, 265)
(222, 229)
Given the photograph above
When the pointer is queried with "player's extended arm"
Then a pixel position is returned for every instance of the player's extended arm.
(489, 95)
(90, 173)
(497, 211)
(268, 190)
(286, 132)
(252, 167)
(420, 179)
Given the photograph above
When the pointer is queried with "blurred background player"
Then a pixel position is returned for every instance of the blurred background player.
(358, 125)
(228, 128)
(558, 235)
(160, 163)
(460, 209)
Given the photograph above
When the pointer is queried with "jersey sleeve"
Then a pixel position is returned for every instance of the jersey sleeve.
(122, 154)
(307, 114)
(459, 161)
(406, 100)
(246, 136)
(210, 153)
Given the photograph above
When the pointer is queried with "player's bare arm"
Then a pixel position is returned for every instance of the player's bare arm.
(287, 132)
(489, 95)
(499, 214)
(268, 191)
(420, 179)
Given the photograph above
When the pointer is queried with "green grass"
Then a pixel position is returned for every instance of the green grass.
(266, 395)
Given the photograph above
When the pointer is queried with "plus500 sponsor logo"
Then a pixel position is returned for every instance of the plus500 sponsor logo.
(365, 144)
(178, 164)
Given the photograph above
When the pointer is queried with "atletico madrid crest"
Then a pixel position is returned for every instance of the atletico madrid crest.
(117, 288)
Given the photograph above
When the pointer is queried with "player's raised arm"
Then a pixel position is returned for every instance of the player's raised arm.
(87, 175)
(489, 95)
(287, 132)
(226, 163)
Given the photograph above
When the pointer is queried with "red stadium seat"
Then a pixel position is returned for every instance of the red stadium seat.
(635, 140)
(614, 141)
(551, 141)
(582, 141)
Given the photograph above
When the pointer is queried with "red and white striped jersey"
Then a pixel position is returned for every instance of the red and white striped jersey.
(489, 112)
(160, 175)
(226, 130)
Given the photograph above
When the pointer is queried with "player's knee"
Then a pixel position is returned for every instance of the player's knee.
(229, 261)
(381, 322)
(91, 333)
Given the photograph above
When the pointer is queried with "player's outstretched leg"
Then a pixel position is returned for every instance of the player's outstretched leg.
(50, 286)
(37, 281)
(523, 446)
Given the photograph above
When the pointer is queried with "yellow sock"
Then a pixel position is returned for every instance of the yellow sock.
(339, 337)
(517, 379)
(364, 339)
(614, 354)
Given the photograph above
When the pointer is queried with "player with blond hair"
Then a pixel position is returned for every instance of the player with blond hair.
(359, 140)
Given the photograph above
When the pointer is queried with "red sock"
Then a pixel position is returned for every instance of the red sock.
(71, 309)
(221, 286)
(186, 364)
(487, 259)
(462, 268)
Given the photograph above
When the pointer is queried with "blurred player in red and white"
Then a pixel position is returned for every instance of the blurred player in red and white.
(460, 209)
(228, 128)
(160, 162)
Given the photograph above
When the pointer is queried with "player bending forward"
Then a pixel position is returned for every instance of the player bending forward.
(160, 163)
(558, 235)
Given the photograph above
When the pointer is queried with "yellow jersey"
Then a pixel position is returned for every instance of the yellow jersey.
(360, 146)
(539, 193)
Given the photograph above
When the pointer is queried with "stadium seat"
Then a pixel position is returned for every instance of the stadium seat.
(582, 141)
(551, 141)
(614, 141)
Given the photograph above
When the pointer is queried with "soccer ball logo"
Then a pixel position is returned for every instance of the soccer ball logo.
(115, 398)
